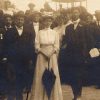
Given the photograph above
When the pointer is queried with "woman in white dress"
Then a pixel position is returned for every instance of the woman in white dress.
(47, 46)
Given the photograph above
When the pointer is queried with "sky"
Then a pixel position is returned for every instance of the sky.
(92, 5)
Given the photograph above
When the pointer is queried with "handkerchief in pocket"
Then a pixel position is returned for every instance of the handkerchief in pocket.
(94, 52)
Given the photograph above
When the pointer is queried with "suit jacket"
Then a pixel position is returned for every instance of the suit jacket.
(19, 48)
(97, 35)
(2, 33)
(79, 41)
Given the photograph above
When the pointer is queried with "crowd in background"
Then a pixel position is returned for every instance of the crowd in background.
(30, 23)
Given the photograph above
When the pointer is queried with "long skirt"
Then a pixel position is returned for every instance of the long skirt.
(38, 91)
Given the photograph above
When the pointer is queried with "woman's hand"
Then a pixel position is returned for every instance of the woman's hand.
(47, 53)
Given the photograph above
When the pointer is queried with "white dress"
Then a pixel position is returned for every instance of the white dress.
(46, 38)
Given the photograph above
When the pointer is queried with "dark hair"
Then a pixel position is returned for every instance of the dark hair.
(19, 14)
(8, 15)
(75, 8)
(43, 18)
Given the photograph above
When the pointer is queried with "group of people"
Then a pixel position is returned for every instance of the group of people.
(30, 43)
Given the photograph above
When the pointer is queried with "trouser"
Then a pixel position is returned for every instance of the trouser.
(22, 81)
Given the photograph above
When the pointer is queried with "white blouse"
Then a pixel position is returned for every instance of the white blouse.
(47, 37)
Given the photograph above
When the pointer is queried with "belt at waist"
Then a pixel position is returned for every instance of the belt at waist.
(46, 45)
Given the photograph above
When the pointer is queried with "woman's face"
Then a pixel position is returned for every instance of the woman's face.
(47, 22)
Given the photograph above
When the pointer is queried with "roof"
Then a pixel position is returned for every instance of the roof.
(68, 1)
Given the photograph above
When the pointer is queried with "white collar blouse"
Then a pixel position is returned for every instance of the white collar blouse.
(47, 37)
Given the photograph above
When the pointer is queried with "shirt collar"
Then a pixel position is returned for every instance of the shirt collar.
(21, 28)
(8, 27)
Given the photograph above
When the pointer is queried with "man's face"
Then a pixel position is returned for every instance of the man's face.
(8, 21)
(19, 21)
(36, 18)
(75, 15)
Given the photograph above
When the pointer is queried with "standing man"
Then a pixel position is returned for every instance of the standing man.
(6, 24)
(96, 67)
(19, 52)
(36, 19)
(76, 53)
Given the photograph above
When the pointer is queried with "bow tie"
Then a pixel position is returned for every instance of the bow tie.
(6, 27)
(20, 28)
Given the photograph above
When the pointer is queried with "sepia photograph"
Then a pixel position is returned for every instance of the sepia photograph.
(49, 49)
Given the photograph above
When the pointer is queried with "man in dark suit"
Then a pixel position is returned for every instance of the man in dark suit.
(19, 51)
(96, 64)
(76, 52)
(97, 28)
(4, 77)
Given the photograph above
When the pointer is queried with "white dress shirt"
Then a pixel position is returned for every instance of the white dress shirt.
(36, 27)
(6, 27)
(76, 23)
(20, 30)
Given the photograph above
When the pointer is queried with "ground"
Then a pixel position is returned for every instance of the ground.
(88, 93)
